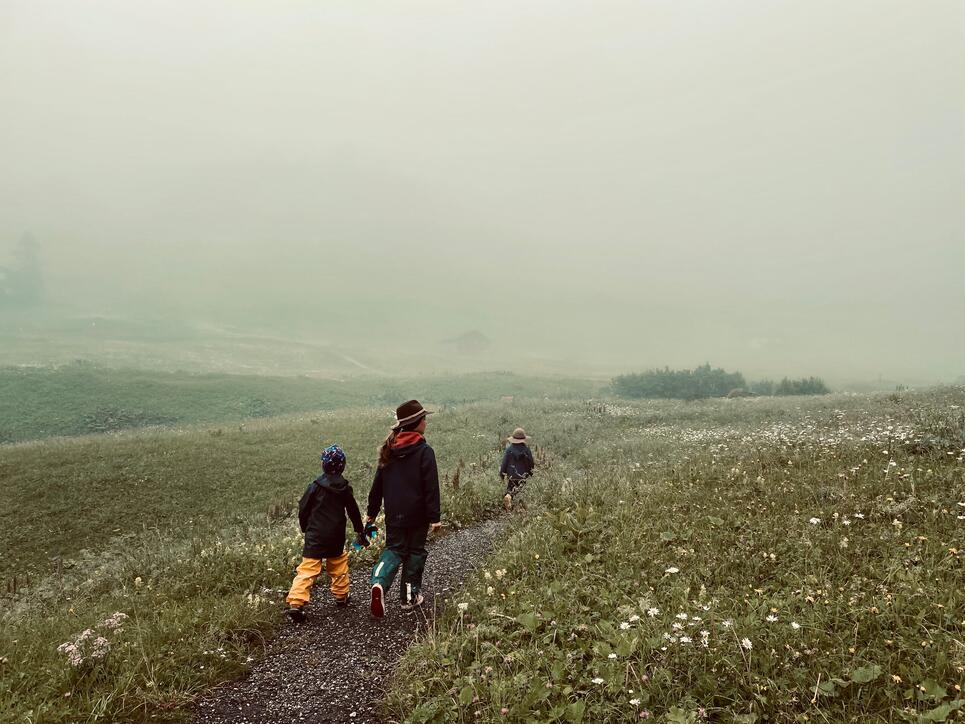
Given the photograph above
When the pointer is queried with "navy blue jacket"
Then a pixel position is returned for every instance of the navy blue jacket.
(321, 515)
(409, 486)
(518, 462)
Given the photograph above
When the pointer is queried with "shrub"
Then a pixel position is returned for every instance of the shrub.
(763, 387)
(692, 384)
(803, 386)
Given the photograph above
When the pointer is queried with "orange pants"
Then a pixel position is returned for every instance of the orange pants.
(310, 569)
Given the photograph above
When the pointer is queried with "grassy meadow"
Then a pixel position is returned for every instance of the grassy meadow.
(736, 561)
(739, 560)
(82, 398)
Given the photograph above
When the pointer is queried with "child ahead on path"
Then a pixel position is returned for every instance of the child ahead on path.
(321, 515)
(407, 480)
(517, 465)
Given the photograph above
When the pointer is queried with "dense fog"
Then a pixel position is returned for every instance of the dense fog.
(774, 187)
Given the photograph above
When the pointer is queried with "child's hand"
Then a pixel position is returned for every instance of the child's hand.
(435, 527)
(362, 539)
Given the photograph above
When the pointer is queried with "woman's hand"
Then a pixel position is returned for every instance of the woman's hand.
(435, 527)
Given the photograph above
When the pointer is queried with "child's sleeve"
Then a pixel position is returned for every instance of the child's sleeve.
(352, 508)
(430, 481)
(530, 461)
(504, 468)
(305, 507)
(375, 495)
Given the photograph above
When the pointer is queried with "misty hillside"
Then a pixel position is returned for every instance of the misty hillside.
(771, 188)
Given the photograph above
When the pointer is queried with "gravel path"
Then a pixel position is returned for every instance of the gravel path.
(333, 667)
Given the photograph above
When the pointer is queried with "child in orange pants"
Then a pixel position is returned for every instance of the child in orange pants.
(321, 515)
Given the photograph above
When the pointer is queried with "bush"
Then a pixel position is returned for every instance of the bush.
(764, 388)
(693, 384)
(803, 386)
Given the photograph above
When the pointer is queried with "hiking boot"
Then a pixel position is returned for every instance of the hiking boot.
(342, 601)
(377, 605)
(418, 601)
(508, 502)
(295, 614)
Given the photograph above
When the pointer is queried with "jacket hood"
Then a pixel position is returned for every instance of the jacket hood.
(332, 482)
(405, 443)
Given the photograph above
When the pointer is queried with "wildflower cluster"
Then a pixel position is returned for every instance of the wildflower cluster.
(90, 646)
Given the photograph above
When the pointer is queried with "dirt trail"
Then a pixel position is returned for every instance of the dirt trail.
(333, 667)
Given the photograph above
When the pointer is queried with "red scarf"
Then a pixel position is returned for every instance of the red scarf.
(403, 439)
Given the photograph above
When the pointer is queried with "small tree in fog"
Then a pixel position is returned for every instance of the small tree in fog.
(22, 283)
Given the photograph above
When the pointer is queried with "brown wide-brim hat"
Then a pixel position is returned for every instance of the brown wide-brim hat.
(409, 412)
(519, 436)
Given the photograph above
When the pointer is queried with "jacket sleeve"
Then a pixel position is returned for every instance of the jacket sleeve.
(305, 507)
(430, 485)
(352, 508)
(375, 495)
(504, 468)
(530, 462)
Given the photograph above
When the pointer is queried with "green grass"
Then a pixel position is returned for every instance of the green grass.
(189, 533)
(80, 398)
(825, 581)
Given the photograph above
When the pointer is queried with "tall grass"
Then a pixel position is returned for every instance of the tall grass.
(190, 534)
(804, 569)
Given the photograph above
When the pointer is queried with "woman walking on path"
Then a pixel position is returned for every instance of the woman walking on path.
(407, 481)
(517, 465)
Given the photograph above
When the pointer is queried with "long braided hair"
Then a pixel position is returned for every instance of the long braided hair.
(386, 447)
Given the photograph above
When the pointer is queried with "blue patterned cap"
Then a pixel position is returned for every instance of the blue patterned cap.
(333, 460)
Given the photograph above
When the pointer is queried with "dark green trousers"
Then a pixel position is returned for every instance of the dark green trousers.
(404, 548)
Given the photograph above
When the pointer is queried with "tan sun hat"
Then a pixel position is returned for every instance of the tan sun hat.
(519, 436)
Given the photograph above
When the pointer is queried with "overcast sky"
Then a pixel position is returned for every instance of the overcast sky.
(778, 186)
